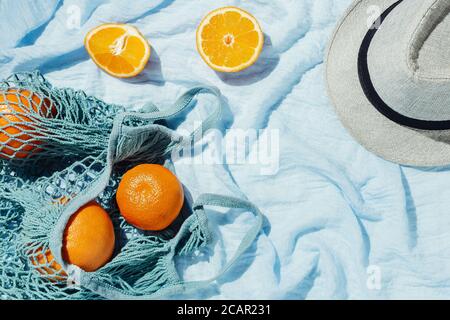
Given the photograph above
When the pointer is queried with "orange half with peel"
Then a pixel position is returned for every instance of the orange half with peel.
(229, 39)
(118, 49)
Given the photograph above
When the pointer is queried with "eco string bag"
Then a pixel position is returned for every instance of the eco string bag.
(36, 203)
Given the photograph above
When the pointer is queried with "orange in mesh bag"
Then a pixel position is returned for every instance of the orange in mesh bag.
(88, 243)
(20, 110)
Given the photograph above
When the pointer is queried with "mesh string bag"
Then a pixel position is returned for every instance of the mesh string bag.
(41, 122)
(68, 149)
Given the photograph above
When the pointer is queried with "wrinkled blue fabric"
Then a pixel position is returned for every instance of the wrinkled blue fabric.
(341, 222)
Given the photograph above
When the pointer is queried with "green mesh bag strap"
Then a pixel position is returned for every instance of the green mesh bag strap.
(182, 103)
(89, 280)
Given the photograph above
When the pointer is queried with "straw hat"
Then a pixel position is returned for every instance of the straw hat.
(388, 75)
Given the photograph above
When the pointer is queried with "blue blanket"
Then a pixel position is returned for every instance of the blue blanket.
(341, 222)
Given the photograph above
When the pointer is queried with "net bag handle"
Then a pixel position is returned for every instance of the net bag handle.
(181, 105)
(206, 199)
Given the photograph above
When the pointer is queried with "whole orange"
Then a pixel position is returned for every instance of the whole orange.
(88, 243)
(150, 197)
(17, 130)
(89, 238)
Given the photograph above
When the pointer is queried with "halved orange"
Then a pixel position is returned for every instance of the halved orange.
(229, 39)
(119, 49)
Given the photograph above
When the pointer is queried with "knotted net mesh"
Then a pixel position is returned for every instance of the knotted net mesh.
(57, 146)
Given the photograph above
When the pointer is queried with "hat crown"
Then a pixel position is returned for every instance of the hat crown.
(430, 35)
(409, 59)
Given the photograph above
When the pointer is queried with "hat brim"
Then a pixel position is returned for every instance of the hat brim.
(378, 134)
